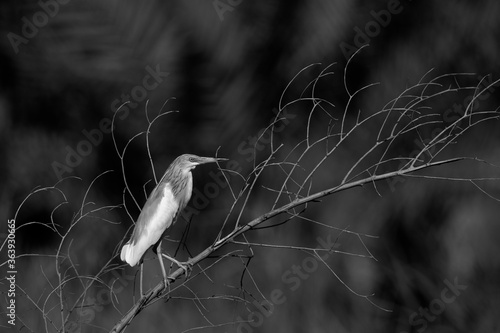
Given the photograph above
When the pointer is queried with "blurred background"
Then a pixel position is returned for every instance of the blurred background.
(66, 68)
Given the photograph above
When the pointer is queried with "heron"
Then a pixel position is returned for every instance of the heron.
(160, 212)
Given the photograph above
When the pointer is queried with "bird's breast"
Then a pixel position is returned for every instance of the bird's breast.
(166, 210)
(189, 189)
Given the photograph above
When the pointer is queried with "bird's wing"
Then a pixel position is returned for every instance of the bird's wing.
(158, 214)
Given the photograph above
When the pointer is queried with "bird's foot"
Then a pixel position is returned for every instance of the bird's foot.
(166, 283)
(185, 266)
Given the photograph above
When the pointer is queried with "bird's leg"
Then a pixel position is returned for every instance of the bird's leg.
(140, 282)
(158, 252)
(186, 267)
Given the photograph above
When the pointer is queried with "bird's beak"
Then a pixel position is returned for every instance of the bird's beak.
(204, 160)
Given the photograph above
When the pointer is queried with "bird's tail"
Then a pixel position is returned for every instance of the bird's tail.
(129, 255)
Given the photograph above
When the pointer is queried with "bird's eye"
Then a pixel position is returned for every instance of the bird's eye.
(191, 159)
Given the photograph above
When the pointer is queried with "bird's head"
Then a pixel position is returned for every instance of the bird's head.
(188, 162)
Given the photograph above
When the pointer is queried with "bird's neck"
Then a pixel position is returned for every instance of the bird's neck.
(181, 181)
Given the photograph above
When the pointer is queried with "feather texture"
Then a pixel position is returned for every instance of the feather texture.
(168, 198)
(158, 214)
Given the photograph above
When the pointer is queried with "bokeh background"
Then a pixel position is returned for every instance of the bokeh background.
(228, 64)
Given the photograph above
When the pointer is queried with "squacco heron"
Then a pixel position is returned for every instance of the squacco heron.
(163, 206)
